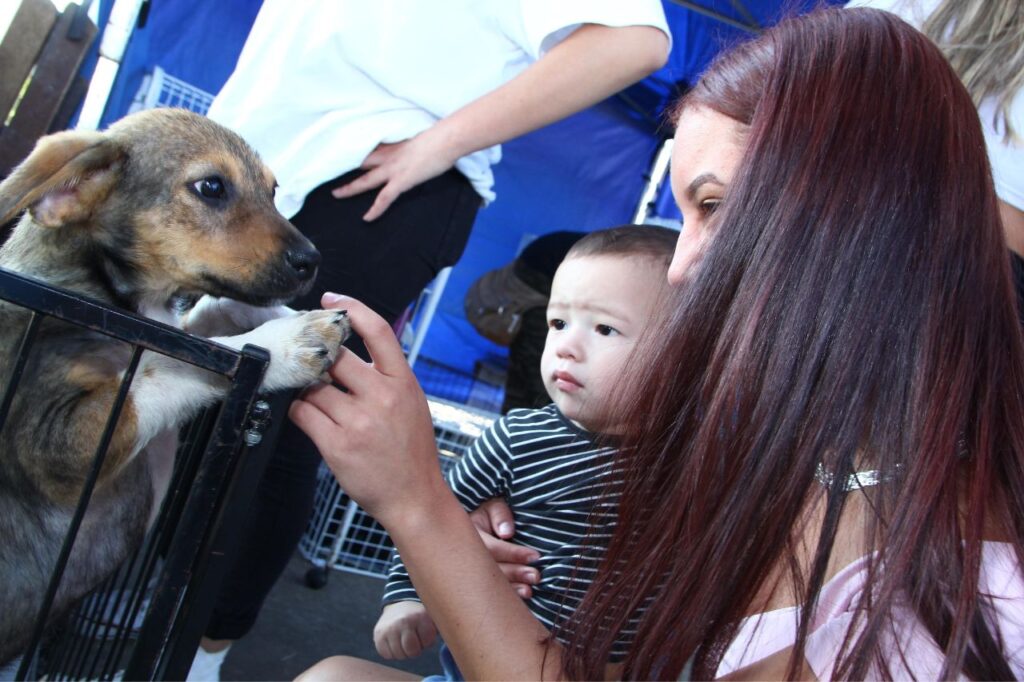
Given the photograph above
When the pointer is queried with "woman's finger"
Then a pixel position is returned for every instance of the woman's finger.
(355, 374)
(382, 202)
(365, 182)
(314, 422)
(328, 399)
(376, 333)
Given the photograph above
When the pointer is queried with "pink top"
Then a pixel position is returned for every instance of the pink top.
(764, 634)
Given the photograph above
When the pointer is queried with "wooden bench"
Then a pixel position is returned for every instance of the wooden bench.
(41, 88)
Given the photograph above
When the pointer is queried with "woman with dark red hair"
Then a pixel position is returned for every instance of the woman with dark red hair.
(825, 466)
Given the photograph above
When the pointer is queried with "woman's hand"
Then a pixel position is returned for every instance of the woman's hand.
(398, 167)
(377, 438)
(493, 520)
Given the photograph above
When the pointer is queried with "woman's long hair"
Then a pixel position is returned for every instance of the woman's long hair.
(854, 311)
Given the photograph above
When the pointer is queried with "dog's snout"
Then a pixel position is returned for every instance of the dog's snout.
(303, 262)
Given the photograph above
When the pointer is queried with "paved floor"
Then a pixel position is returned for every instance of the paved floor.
(300, 626)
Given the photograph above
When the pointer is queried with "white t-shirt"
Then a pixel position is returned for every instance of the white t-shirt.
(1006, 157)
(319, 84)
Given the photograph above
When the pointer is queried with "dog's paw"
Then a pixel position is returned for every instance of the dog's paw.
(302, 346)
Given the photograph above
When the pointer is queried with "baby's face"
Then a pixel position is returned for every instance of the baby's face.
(598, 309)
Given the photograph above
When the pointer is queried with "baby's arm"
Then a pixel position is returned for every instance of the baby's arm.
(484, 471)
(404, 628)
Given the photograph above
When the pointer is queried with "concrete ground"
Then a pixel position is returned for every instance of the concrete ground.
(300, 626)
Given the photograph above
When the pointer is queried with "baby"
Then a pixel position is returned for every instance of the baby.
(548, 463)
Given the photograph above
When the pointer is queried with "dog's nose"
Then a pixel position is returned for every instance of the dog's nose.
(303, 262)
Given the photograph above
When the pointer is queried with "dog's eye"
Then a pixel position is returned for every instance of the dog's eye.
(211, 187)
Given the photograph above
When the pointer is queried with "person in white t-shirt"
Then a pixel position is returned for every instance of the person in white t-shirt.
(381, 121)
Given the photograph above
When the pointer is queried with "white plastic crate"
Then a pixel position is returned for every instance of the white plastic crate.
(364, 546)
(160, 89)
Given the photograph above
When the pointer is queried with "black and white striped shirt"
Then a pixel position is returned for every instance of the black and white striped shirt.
(552, 475)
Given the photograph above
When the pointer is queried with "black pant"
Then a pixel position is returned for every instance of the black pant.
(385, 264)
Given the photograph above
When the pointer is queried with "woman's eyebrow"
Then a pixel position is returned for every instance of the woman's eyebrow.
(701, 179)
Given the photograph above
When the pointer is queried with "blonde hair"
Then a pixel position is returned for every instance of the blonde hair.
(984, 41)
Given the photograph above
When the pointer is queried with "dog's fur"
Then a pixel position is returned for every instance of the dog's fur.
(159, 210)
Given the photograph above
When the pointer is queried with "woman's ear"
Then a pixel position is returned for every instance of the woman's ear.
(64, 178)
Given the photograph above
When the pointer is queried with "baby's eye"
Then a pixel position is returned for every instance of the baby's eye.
(605, 330)
(557, 324)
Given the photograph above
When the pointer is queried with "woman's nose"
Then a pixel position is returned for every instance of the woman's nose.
(687, 253)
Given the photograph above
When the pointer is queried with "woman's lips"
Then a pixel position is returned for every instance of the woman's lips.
(566, 382)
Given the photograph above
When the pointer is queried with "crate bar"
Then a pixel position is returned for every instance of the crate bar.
(35, 294)
(166, 520)
(19, 366)
(163, 650)
(76, 520)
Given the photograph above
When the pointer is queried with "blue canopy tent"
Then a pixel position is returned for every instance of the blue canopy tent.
(583, 173)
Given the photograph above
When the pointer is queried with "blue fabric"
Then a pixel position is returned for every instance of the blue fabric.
(547, 180)
(449, 670)
(193, 40)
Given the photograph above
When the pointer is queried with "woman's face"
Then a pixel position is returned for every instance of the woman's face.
(707, 150)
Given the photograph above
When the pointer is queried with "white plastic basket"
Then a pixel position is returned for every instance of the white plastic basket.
(340, 528)
(160, 89)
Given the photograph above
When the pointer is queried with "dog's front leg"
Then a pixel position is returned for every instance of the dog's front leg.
(302, 346)
(166, 393)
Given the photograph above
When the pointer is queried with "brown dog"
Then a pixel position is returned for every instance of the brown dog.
(163, 208)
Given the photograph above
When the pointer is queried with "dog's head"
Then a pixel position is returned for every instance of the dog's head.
(173, 205)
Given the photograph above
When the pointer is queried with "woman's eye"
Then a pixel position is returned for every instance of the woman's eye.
(605, 330)
(709, 206)
(211, 187)
(557, 324)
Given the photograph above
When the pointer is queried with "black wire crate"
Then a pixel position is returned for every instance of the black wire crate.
(144, 622)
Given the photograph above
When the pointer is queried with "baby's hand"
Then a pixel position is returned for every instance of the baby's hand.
(403, 630)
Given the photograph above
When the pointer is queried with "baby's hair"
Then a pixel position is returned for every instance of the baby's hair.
(628, 240)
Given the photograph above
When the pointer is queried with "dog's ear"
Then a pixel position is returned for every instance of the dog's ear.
(64, 178)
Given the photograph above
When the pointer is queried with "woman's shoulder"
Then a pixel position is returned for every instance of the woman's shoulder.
(1001, 577)
(760, 635)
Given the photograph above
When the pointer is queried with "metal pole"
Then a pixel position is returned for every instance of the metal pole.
(427, 316)
(700, 9)
(659, 171)
(123, 17)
